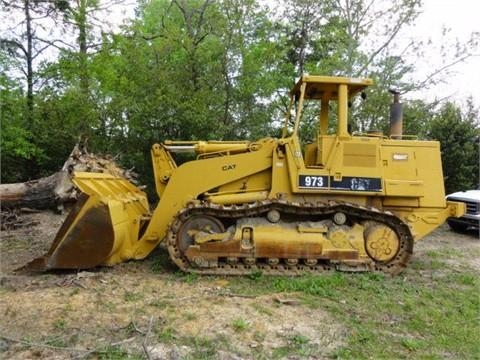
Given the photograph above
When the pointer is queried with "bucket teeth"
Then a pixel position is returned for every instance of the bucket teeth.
(38, 265)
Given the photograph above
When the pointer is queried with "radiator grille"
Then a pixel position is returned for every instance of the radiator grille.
(472, 207)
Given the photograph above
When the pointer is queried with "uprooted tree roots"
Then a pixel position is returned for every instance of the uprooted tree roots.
(53, 191)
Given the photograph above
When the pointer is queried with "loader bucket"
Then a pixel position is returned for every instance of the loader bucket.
(102, 228)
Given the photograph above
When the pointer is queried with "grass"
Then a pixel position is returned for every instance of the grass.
(203, 347)
(131, 296)
(161, 303)
(189, 316)
(411, 316)
(166, 335)
(427, 314)
(297, 345)
(114, 352)
(55, 341)
(240, 324)
(60, 324)
(159, 262)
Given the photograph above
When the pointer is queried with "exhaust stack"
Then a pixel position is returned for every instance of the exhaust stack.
(396, 116)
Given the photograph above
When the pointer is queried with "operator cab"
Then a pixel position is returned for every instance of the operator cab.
(326, 90)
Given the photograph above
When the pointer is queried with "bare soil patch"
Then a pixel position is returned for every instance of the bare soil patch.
(142, 309)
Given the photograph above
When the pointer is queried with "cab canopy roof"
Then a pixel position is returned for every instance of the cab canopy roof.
(318, 87)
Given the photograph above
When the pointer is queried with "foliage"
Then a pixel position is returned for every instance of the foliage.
(191, 70)
(459, 135)
(16, 140)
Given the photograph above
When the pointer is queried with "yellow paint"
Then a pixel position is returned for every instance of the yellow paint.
(401, 176)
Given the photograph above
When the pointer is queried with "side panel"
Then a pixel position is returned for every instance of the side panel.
(413, 169)
(351, 166)
(414, 184)
(402, 172)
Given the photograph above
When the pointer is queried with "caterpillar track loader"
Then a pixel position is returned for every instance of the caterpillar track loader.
(352, 202)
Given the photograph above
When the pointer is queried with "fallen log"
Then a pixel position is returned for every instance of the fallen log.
(53, 191)
(37, 194)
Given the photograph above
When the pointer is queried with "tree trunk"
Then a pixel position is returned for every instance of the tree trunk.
(29, 58)
(44, 193)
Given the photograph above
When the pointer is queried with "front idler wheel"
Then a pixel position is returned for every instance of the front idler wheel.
(196, 224)
(381, 242)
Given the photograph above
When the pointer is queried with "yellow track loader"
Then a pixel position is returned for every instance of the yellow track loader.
(347, 201)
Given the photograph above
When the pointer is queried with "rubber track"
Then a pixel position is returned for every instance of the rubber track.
(393, 267)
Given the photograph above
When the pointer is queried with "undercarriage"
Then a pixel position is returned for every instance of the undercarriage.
(286, 238)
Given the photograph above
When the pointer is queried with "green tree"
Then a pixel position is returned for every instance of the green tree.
(185, 70)
(199, 69)
(22, 41)
(22, 47)
(459, 134)
(17, 147)
(69, 104)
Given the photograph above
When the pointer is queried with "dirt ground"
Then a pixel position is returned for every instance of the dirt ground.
(143, 309)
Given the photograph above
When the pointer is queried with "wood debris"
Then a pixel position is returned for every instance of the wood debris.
(54, 191)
